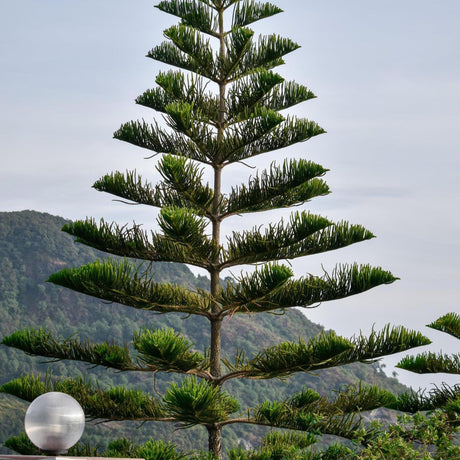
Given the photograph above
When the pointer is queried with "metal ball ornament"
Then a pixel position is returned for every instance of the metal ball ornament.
(54, 422)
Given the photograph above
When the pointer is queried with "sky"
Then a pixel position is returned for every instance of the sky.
(387, 79)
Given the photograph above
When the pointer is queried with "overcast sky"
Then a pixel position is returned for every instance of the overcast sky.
(387, 77)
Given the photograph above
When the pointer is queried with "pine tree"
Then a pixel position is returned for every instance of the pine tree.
(444, 397)
(222, 105)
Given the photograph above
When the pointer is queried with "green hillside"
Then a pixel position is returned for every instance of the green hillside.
(32, 247)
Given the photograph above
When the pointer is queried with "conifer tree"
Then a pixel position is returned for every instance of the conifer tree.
(222, 104)
(444, 397)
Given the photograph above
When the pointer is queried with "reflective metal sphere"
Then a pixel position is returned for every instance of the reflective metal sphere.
(54, 422)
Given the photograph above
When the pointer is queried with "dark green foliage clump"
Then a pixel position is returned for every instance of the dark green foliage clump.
(445, 396)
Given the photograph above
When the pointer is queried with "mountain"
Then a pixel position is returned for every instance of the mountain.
(32, 246)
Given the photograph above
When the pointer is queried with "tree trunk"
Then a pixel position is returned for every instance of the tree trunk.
(215, 440)
(215, 431)
(216, 326)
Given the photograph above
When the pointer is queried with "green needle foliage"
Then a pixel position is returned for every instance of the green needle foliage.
(165, 350)
(219, 104)
(42, 342)
(116, 403)
(199, 402)
(124, 448)
(431, 363)
(449, 323)
(444, 397)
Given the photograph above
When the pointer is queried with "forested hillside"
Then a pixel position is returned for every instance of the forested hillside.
(32, 247)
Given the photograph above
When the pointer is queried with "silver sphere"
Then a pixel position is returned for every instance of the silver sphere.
(54, 422)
